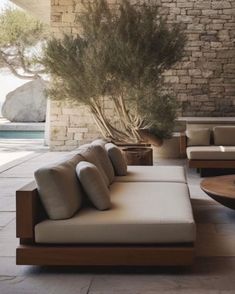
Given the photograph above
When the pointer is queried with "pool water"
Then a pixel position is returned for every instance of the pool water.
(22, 134)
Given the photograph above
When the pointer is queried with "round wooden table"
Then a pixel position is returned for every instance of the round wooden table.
(221, 189)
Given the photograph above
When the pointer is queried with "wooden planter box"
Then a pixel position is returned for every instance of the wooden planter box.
(138, 155)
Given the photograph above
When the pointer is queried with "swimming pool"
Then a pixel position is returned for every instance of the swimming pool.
(16, 134)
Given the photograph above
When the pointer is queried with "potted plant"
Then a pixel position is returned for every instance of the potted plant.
(118, 58)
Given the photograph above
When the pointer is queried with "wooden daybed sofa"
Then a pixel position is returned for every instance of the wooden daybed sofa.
(150, 222)
(207, 148)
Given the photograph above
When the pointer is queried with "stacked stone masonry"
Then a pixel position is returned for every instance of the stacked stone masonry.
(203, 82)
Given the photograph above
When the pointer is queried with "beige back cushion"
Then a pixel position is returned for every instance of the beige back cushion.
(117, 159)
(198, 137)
(97, 155)
(224, 135)
(59, 189)
(94, 185)
(100, 142)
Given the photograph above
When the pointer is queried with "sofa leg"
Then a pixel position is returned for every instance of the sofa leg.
(202, 172)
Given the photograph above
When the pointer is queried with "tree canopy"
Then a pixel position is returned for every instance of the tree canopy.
(20, 35)
(120, 54)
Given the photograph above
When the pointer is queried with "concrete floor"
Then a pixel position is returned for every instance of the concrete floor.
(213, 271)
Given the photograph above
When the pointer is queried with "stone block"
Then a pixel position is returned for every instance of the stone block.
(171, 79)
(199, 81)
(200, 4)
(68, 17)
(229, 12)
(195, 72)
(197, 27)
(71, 143)
(77, 130)
(79, 136)
(197, 54)
(185, 80)
(194, 12)
(209, 12)
(56, 143)
(221, 4)
(185, 4)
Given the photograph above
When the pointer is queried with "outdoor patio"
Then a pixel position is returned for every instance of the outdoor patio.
(213, 271)
(157, 73)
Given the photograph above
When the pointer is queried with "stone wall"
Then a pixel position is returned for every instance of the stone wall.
(203, 82)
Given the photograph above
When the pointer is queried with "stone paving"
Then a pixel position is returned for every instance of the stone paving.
(213, 271)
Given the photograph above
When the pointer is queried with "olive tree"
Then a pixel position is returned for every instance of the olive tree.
(119, 56)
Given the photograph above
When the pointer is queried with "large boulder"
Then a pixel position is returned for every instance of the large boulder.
(26, 103)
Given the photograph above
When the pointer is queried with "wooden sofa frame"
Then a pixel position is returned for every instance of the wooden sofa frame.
(29, 211)
(203, 164)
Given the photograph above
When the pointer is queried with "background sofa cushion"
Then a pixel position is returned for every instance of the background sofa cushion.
(153, 174)
(142, 213)
(59, 190)
(117, 159)
(97, 155)
(93, 185)
(211, 153)
(224, 135)
(198, 137)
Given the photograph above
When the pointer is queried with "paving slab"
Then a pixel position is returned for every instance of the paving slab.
(45, 283)
(8, 240)
(6, 218)
(26, 169)
(207, 274)
(8, 186)
(7, 204)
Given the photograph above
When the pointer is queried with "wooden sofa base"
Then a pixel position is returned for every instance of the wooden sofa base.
(211, 163)
(211, 168)
(104, 255)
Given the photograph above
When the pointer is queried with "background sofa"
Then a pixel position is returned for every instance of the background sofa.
(150, 221)
(207, 148)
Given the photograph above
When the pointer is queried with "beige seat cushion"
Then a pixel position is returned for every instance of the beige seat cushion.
(211, 153)
(198, 137)
(97, 155)
(59, 189)
(117, 159)
(224, 135)
(153, 174)
(141, 213)
(93, 185)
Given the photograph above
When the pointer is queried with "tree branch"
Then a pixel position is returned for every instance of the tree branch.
(23, 64)
(13, 70)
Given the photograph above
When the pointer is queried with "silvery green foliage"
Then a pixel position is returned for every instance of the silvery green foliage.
(120, 54)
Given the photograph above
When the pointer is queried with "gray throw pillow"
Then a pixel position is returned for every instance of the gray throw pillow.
(198, 137)
(59, 190)
(97, 155)
(117, 159)
(100, 142)
(94, 185)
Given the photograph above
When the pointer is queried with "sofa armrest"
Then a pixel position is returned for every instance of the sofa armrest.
(29, 211)
(183, 144)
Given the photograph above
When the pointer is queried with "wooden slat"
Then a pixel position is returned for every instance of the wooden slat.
(105, 256)
(211, 163)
